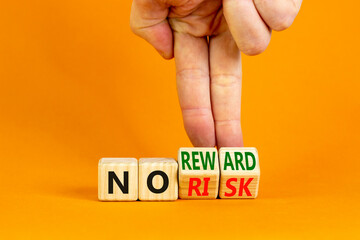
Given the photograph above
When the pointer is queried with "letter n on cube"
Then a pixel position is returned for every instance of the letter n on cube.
(118, 179)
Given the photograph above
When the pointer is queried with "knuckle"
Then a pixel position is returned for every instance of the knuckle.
(283, 22)
(133, 27)
(279, 15)
(284, 18)
(255, 47)
(192, 73)
(196, 111)
(235, 121)
(225, 80)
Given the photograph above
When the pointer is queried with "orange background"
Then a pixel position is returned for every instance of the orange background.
(76, 85)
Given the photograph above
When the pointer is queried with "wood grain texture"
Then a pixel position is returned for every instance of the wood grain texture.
(153, 171)
(198, 173)
(239, 176)
(119, 166)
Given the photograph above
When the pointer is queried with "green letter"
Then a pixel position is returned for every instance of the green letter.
(185, 157)
(195, 160)
(238, 160)
(228, 161)
(208, 160)
(247, 154)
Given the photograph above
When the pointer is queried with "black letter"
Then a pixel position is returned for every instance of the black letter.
(165, 185)
(124, 188)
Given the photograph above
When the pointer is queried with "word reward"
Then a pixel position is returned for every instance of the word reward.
(199, 173)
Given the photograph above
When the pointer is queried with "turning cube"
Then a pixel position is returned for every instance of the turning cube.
(240, 172)
(118, 179)
(158, 179)
(198, 173)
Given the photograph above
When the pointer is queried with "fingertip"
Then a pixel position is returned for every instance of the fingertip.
(199, 126)
(166, 55)
(161, 38)
(202, 137)
(229, 134)
(255, 46)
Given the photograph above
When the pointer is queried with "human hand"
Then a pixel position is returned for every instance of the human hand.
(206, 38)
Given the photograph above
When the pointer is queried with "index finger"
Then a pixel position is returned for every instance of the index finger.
(192, 77)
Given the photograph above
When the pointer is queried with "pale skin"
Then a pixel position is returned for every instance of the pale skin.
(206, 38)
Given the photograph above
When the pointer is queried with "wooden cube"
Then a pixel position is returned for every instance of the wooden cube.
(198, 173)
(118, 179)
(240, 172)
(158, 179)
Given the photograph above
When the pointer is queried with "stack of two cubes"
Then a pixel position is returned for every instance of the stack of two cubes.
(198, 174)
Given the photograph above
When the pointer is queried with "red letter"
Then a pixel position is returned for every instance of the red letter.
(229, 186)
(206, 185)
(196, 187)
(244, 187)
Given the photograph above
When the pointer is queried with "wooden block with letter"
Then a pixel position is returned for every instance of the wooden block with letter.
(158, 179)
(240, 172)
(198, 173)
(118, 179)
